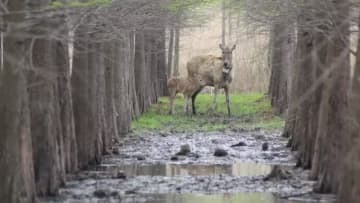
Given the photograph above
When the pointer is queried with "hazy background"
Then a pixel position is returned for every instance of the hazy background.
(250, 71)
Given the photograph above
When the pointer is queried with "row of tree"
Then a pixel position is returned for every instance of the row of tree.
(312, 84)
(59, 114)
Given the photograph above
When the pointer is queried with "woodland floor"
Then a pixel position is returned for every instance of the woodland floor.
(144, 167)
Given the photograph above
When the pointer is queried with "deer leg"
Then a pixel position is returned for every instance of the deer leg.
(193, 98)
(185, 104)
(171, 98)
(188, 106)
(226, 89)
(215, 98)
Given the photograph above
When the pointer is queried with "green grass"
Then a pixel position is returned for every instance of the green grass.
(249, 111)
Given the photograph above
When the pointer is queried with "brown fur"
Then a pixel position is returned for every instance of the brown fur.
(186, 86)
(215, 71)
(210, 68)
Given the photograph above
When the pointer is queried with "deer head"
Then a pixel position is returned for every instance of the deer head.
(227, 57)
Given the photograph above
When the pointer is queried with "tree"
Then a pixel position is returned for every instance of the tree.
(16, 161)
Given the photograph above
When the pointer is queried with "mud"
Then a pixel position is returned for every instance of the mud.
(143, 170)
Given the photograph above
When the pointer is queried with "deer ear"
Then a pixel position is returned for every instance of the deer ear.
(233, 48)
(221, 46)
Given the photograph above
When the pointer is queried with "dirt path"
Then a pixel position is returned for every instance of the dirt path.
(147, 169)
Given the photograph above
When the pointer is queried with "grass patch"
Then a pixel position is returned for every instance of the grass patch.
(249, 111)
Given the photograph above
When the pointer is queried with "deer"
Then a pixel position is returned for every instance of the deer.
(215, 71)
(185, 85)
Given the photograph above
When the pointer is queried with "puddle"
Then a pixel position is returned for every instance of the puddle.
(207, 179)
(190, 198)
(215, 198)
(170, 170)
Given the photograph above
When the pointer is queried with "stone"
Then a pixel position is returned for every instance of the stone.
(265, 146)
(240, 144)
(121, 175)
(100, 193)
(278, 173)
(114, 194)
(184, 150)
(116, 151)
(174, 158)
(140, 157)
(220, 152)
(128, 192)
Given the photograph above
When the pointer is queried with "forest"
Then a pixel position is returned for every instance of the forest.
(84, 101)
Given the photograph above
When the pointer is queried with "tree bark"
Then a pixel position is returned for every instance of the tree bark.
(134, 95)
(177, 47)
(223, 22)
(280, 63)
(170, 52)
(45, 120)
(141, 75)
(16, 160)
(82, 103)
(349, 191)
(333, 112)
(161, 64)
(110, 107)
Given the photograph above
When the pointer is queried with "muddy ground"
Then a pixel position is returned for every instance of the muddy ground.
(146, 169)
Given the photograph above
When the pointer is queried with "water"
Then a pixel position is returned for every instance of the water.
(214, 198)
(173, 170)
(190, 198)
(170, 170)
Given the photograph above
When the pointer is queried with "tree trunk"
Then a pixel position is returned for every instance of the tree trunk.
(134, 96)
(122, 82)
(45, 120)
(333, 109)
(223, 23)
(349, 191)
(161, 64)
(298, 111)
(141, 75)
(82, 103)
(16, 160)
(280, 63)
(170, 52)
(316, 119)
(177, 47)
(110, 107)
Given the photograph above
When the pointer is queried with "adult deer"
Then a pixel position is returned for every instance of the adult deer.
(215, 71)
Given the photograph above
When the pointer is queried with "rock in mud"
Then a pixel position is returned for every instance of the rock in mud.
(174, 158)
(140, 157)
(107, 152)
(121, 175)
(265, 146)
(240, 144)
(184, 150)
(220, 152)
(114, 194)
(278, 173)
(128, 192)
(238, 130)
(196, 156)
(259, 136)
(116, 151)
(101, 193)
(163, 134)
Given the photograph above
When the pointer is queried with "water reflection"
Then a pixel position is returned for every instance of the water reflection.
(190, 198)
(238, 169)
(214, 198)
